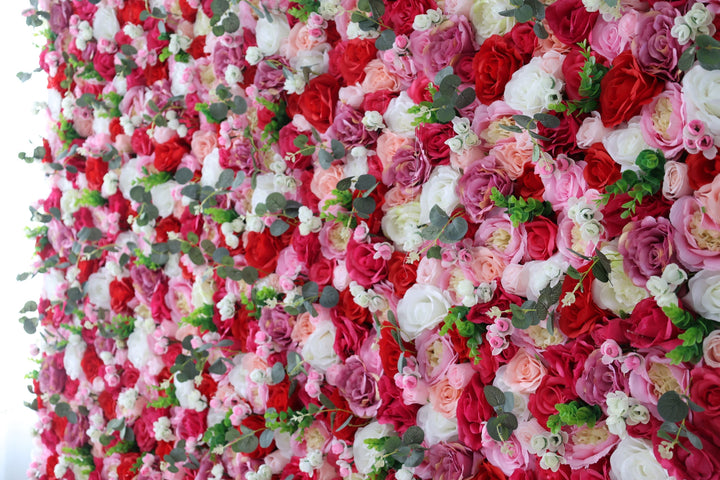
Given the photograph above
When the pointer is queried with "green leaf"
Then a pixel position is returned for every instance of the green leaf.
(344, 184)
(549, 121)
(465, 98)
(327, 403)
(672, 408)
(250, 275)
(218, 367)
(183, 175)
(278, 227)
(494, 396)
(246, 444)
(300, 141)
(600, 273)
(435, 252)
(438, 217)
(238, 105)
(687, 59)
(310, 291)
(364, 206)
(524, 13)
(413, 434)
(445, 113)
(385, 40)
(227, 176)
(325, 158)
(708, 52)
(416, 457)
(338, 149)
(24, 76)
(573, 273)
(694, 439)
(266, 438)
(196, 256)
(277, 373)
(455, 230)
(218, 111)
(365, 182)
(275, 202)
(330, 297)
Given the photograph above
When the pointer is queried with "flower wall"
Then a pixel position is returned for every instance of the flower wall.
(378, 239)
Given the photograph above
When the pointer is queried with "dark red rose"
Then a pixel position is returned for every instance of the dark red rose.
(193, 424)
(257, 422)
(601, 170)
(87, 268)
(494, 64)
(570, 21)
(524, 40)
(688, 462)
(317, 102)
(362, 266)
(143, 428)
(702, 171)
(208, 386)
(197, 49)
(390, 350)
(488, 471)
(83, 218)
(278, 396)
(563, 138)
(106, 400)
(473, 411)
(130, 13)
(129, 376)
(164, 226)
(262, 250)
(705, 391)
(189, 13)
(655, 206)
(169, 154)
(418, 90)
(393, 409)
(529, 185)
(399, 16)
(243, 330)
(321, 271)
(91, 363)
(104, 64)
(353, 324)
(306, 247)
(541, 236)
(500, 299)
(378, 101)
(401, 274)
(489, 363)
(141, 143)
(432, 138)
(288, 134)
(121, 293)
(552, 390)
(625, 89)
(650, 327)
(356, 54)
(581, 316)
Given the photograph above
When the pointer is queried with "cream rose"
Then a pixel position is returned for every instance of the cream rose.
(624, 144)
(633, 459)
(318, 350)
(364, 456)
(105, 24)
(423, 307)
(486, 18)
(437, 428)
(271, 35)
(531, 89)
(440, 190)
(400, 224)
(704, 296)
(397, 118)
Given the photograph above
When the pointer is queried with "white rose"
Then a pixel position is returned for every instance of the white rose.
(620, 294)
(400, 224)
(188, 396)
(253, 55)
(531, 89)
(97, 288)
(422, 308)
(128, 177)
(440, 190)
(701, 91)
(270, 36)
(365, 457)
(162, 197)
(356, 163)
(485, 16)
(704, 296)
(633, 459)
(397, 117)
(624, 144)
(211, 169)
(202, 291)
(139, 352)
(202, 24)
(52, 281)
(105, 23)
(179, 86)
(318, 350)
(373, 120)
(73, 354)
(436, 426)
(317, 59)
(541, 273)
(681, 31)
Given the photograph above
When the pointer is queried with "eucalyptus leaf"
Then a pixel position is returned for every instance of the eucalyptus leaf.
(365, 182)
(325, 158)
(494, 396)
(278, 227)
(454, 231)
(413, 434)
(329, 297)
(338, 149)
(364, 206)
(385, 40)
(671, 407)
(275, 202)
(266, 438)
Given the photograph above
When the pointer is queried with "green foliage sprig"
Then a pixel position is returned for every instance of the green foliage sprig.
(519, 209)
(120, 327)
(639, 185)
(674, 409)
(533, 312)
(327, 153)
(526, 11)
(695, 331)
(456, 318)
(707, 52)
(217, 112)
(443, 228)
(301, 9)
(530, 125)
(201, 317)
(447, 99)
(82, 457)
(576, 412)
(190, 365)
(397, 452)
(590, 76)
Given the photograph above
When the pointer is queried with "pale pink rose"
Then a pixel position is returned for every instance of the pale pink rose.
(524, 372)
(387, 146)
(564, 184)
(498, 233)
(429, 269)
(179, 298)
(588, 445)
(164, 134)
(527, 430)
(397, 196)
(300, 40)
(591, 131)
(488, 117)
(462, 160)
(186, 28)
(334, 238)
(711, 349)
(378, 77)
(569, 237)
(512, 154)
(325, 181)
(458, 7)
(184, 330)
(655, 376)
(709, 197)
(486, 265)
(416, 392)
(459, 375)
(697, 236)
(203, 142)
(277, 461)
(444, 398)
(552, 64)
(514, 279)
(607, 39)
(663, 120)
(83, 121)
(341, 279)
(288, 264)
(302, 329)
(627, 25)
(675, 183)
(435, 354)
(352, 95)
(509, 456)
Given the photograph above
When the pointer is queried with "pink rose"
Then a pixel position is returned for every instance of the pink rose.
(357, 385)
(695, 235)
(363, 265)
(663, 120)
(524, 372)
(203, 142)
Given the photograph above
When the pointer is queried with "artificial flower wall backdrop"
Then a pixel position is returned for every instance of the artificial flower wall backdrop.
(378, 239)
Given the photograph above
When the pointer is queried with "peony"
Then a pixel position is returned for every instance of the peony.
(625, 144)
(704, 295)
(646, 248)
(633, 459)
(422, 308)
(439, 190)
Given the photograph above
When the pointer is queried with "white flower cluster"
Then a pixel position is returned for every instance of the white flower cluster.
(295, 83)
(428, 20)
(263, 473)
(697, 21)
(85, 34)
(663, 288)
(178, 42)
(464, 139)
(308, 222)
(373, 120)
(622, 411)
(607, 10)
(229, 230)
(368, 298)
(226, 306)
(311, 462)
(587, 217)
(163, 430)
(550, 447)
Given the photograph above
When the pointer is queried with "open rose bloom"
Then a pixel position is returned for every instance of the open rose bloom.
(378, 239)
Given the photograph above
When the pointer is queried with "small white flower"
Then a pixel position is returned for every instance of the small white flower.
(253, 55)
(421, 23)
(295, 84)
(456, 144)
(681, 31)
(674, 275)
(461, 125)
(373, 120)
(233, 75)
(551, 461)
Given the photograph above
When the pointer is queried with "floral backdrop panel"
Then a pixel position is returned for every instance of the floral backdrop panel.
(411, 239)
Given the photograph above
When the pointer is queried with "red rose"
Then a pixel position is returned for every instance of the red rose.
(418, 90)
(705, 391)
(362, 266)
(353, 324)
(552, 390)
(600, 170)
(130, 13)
(356, 54)
(143, 428)
(129, 376)
(262, 251)
(529, 185)
(399, 16)
(401, 274)
(104, 64)
(189, 13)
(648, 326)
(570, 21)
(125, 470)
(582, 315)
(393, 409)
(432, 138)
(169, 154)
(278, 396)
(624, 90)
(243, 330)
(488, 471)
(541, 235)
(164, 226)
(141, 143)
(500, 299)
(208, 386)
(91, 363)
(197, 48)
(106, 400)
(95, 170)
(287, 136)
(193, 424)
(257, 422)
(321, 271)
(87, 268)
(524, 40)
(121, 293)
(702, 171)
(317, 102)
(473, 411)
(378, 101)
(655, 206)
(562, 138)
(494, 64)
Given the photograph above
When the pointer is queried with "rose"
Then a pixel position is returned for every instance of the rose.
(552, 390)
(475, 186)
(655, 206)
(648, 326)
(705, 391)
(695, 235)
(570, 21)
(581, 316)
(598, 379)
(401, 273)
(422, 308)
(357, 384)
(625, 89)
(442, 45)
(169, 154)
(317, 102)
(524, 372)
(607, 39)
(262, 250)
(393, 409)
(701, 170)
(348, 128)
(364, 265)
(378, 101)
(532, 89)
(125, 470)
(91, 363)
(704, 295)
(711, 349)
(449, 461)
(397, 118)
(271, 33)
(144, 430)
(399, 16)
(600, 169)
(434, 356)
(437, 428)
(432, 137)
(541, 235)
(121, 293)
(633, 459)
(318, 348)
(656, 50)
(473, 411)
(646, 248)
(203, 142)
(352, 323)
(439, 190)
(561, 140)
(493, 66)
(486, 18)
(363, 455)
(354, 55)
(625, 144)
(529, 185)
